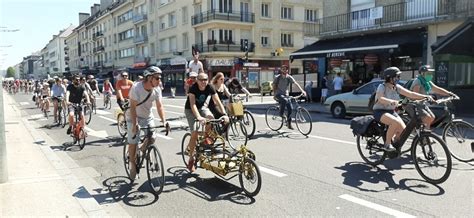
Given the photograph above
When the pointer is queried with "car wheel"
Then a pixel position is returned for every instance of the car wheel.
(338, 110)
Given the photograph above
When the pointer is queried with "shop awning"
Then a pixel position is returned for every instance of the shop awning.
(370, 43)
(457, 42)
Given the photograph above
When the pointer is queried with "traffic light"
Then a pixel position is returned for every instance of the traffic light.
(246, 45)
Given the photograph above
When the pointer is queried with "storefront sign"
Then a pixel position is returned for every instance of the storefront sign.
(178, 61)
(441, 74)
(250, 64)
(376, 13)
(335, 54)
(221, 62)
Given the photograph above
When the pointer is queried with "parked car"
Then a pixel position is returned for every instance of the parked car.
(355, 102)
(267, 87)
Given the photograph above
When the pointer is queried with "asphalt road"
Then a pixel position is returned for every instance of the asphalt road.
(319, 175)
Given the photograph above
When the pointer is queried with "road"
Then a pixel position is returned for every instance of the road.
(318, 175)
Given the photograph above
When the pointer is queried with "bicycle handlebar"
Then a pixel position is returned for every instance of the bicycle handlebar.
(166, 126)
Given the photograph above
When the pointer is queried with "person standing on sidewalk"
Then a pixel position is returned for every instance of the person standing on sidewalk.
(142, 96)
(338, 82)
(324, 88)
(123, 87)
(308, 88)
(280, 88)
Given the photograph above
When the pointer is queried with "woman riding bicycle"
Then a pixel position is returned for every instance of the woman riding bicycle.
(217, 83)
(386, 100)
(107, 90)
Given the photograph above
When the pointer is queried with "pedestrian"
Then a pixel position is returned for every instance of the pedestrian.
(308, 87)
(324, 88)
(338, 82)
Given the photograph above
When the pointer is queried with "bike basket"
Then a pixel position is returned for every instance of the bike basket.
(360, 125)
(236, 109)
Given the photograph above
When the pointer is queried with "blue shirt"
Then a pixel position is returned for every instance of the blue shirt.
(58, 90)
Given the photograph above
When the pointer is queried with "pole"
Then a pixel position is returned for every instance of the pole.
(3, 145)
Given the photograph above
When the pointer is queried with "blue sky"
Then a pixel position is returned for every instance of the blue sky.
(37, 21)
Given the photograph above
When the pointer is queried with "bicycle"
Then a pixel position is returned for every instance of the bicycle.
(422, 146)
(88, 108)
(77, 132)
(62, 113)
(121, 120)
(457, 133)
(107, 101)
(302, 117)
(246, 117)
(44, 106)
(149, 152)
(216, 157)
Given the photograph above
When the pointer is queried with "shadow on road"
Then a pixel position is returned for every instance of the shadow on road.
(120, 188)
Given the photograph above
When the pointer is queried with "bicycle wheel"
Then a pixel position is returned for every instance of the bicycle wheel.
(155, 170)
(459, 136)
(273, 119)
(126, 159)
(303, 121)
(88, 114)
(81, 138)
(249, 122)
(184, 148)
(253, 180)
(122, 125)
(432, 158)
(236, 134)
(63, 117)
(370, 149)
(109, 103)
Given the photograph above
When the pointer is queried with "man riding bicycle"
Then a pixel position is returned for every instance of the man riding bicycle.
(142, 96)
(123, 87)
(196, 109)
(57, 92)
(74, 94)
(424, 85)
(93, 83)
(280, 88)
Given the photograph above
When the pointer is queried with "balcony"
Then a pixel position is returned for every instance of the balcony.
(241, 17)
(139, 18)
(142, 59)
(140, 39)
(213, 46)
(406, 13)
(97, 35)
(98, 64)
(311, 28)
(99, 48)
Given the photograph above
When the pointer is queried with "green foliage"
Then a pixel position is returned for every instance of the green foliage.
(10, 72)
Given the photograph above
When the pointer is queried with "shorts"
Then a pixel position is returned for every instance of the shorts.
(70, 108)
(191, 119)
(379, 113)
(424, 110)
(56, 98)
(324, 92)
(142, 122)
(44, 96)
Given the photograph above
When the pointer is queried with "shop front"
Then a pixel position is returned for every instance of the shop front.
(224, 65)
(253, 74)
(360, 59)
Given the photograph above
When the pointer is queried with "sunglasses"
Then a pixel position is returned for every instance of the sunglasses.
(157, 77)
(125, 75)
(203, 79)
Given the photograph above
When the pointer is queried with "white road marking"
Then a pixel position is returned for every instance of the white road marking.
(172, 112)
(374, 206)
(37, 116)
(24, 103)
(169, 105)
(98, 134)
(272, 172)
(163, 136)
(109, 119)
(259, 115)
(102, 112)
(331, 139)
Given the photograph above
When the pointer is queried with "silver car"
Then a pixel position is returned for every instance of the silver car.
(355, 102)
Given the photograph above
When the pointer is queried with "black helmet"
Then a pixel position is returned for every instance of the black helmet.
(426, 68)
(391, 72)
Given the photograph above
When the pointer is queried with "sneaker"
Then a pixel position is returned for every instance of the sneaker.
(191, 165)
(388, 148)
(290, 126)
(68, 130)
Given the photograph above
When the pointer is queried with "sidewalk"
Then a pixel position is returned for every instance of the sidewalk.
(43, 182)
(263, 102)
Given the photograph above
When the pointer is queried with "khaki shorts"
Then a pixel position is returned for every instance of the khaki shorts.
(205, 112)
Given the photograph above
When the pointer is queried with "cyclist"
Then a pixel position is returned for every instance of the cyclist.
(142, 96)
(424, 85)
(57, 92)
(387, 98)
(88, 88)
(195, 109)
(190, 81)
(107, 89)
(217, 83)
(280, 88)
(235, 87)
(45, 94)
(74, 94)
(123, 87)
(37, 90)
(93, 83)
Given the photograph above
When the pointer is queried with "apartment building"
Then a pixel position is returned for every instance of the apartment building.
(264, 32)
(53, 55)
(71, 53)
(360, 38)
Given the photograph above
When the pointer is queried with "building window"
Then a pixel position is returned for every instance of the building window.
(266, 10)
(162, 23)
(311, 15)
(184, 11)
(223, 6)
(152, 49)
(264, 41)
(152, 27)
(163, 46)
(172, 19)
(185, 41)
(225, 36)
(173, 46)
(287, 13)
(125, 17)
(286, 40)
(128, 52)
(126, 34)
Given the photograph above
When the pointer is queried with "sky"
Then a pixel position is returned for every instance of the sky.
(37, 21)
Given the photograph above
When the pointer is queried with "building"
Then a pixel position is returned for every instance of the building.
(53, 55)
(28, 68)
(252, 39)
(360, 38)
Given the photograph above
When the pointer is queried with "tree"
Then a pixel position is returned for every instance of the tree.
(10, 72)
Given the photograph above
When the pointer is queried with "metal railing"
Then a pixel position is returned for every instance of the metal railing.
(139, 18)
(311, 28)
(140, 39)
(140, 59)
(415, 11)
(228, 47)
(203, 17)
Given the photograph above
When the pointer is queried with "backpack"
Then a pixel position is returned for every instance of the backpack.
(408, 84)
(372, 100)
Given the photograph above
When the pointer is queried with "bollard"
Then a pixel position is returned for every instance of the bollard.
(3, 145)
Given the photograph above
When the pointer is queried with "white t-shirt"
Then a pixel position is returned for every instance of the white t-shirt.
(338, 82)
(138, 93)
(195, 66)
